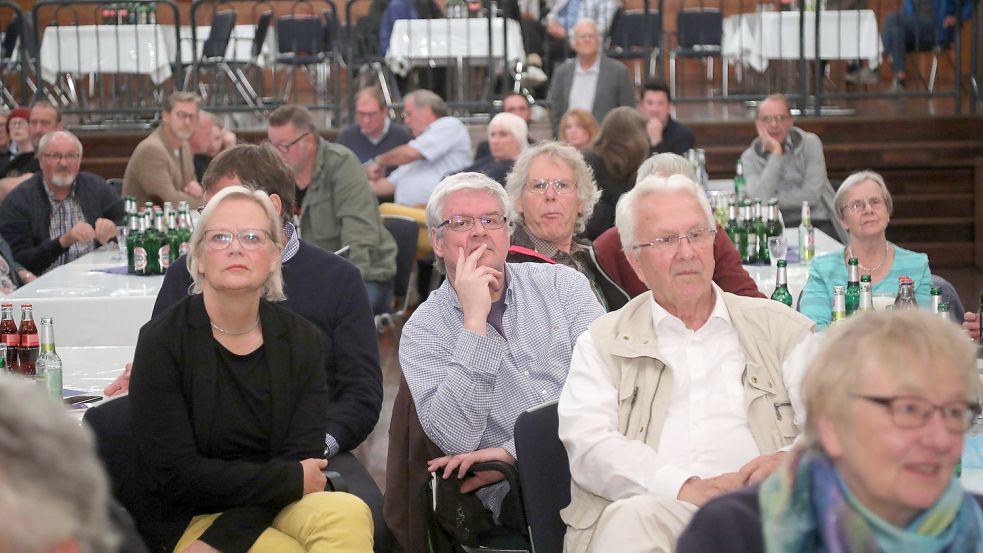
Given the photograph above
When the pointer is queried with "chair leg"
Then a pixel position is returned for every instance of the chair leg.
(672, 75)
(932, 73)
(724, 70)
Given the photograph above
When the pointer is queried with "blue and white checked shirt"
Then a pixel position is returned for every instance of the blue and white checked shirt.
(65, 214)
(469, 389)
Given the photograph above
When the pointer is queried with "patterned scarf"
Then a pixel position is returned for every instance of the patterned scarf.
(805, 506)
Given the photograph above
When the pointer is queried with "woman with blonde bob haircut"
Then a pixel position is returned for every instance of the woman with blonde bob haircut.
(229, 403)
(889, 398)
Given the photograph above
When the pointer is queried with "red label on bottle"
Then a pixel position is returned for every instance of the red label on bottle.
(139, 259)
(184, 248)
(29, 340)
(164, 257)
(11, 340)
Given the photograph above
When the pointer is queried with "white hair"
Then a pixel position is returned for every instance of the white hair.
(665, 164)
(627, 208)
(50, 135)
(512, 124)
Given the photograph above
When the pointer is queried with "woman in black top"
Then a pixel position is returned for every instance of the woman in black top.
(229, 401)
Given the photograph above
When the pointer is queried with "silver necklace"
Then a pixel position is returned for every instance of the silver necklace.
(228, 333)
(887, 250)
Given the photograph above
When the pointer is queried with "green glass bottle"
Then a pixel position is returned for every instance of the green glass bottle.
(131, 240)
(732, 226)
(761, 230)
(781, 292)
(852, 286)
(740, 184)
(749, 251)
(774, 224)
(807, 236)
(141, 261)
(936, 297)
(151, 246)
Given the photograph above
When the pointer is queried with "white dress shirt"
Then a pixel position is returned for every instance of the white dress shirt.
(706, 432)
(584, 86)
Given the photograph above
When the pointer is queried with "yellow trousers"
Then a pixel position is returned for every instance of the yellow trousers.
(319, 522)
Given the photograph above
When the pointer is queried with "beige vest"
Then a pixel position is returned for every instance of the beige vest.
(627, 342)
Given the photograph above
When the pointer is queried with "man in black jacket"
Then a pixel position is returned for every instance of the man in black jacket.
(59, 214)
(327, 291)
(665, 133)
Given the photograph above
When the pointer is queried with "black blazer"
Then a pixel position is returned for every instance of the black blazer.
(172, 390)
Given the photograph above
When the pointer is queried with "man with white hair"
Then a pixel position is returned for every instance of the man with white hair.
(59, 214)
(684, 394)
(494, 340)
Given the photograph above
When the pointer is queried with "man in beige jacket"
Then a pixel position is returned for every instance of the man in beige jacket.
(683, 394)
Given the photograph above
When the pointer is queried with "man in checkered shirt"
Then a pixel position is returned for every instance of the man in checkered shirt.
(494, 340)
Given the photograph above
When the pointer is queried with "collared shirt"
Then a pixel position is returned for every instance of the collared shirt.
(469, 389)
(577, 259)
(706, 431)
(584, 85)
(569, 14)
(293, 242)
(445, 147)
(65, 214)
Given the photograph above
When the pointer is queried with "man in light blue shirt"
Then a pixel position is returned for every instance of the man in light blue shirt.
(441, 146)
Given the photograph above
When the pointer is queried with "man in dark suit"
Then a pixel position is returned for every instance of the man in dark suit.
(590, 81)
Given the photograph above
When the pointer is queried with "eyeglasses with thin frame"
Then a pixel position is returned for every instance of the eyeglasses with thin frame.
(858, 206)
(464, 223)
(560, 187)
(185, 115)
(697, 238)
(17, 123)
(249, 239)
(55, 156)
(769, 119)
(285, 148)
(913, 412)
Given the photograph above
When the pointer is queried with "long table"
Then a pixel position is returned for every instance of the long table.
(89, 307)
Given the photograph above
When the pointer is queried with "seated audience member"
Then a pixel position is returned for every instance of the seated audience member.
(789, 163)
(12, 274)
(875, 467)
(728, 273)
(712, 380)
(864, 207)
(515, 103)
(507, 139)
(59, 214)
(591, 81)
(553, 194)
(441, 145)
(341, 312)
(7, 150)
(18, 141)
(920, 25)
(54, 494)
(229, 402)
(665, 133)
(161, 168)
(43, 118)
(615, 156)
(578, 128)
(201, 143)
(373, 132)
(492, 341)
(334, 205)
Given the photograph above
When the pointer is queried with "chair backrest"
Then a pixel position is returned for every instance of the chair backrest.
(10, 35)
(116, 185)
(405, 231)
(630, 29)
(218, 37)
(259, 37)
(27, 40)
(700, 28)
(299, 34)
(544, 475)
(110, 422)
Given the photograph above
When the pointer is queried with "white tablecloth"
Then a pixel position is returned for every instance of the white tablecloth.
(91, 308)
(798, 273)
(129, 49)
(756, 38)
(419, 41)
(90, 369)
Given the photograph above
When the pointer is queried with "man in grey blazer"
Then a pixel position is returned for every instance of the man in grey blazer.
(590, 81)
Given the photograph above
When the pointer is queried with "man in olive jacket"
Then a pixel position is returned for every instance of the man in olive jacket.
(335, 206)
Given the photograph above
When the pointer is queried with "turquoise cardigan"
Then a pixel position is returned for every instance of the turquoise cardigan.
(828, 270)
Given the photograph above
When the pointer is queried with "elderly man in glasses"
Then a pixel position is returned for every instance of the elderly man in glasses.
(334, 205)
(494, 340)
(162, 168)
(59, 214)
(788, 163)
(683, 394)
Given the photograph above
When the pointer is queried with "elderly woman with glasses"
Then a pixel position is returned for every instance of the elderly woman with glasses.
(863, 206)
(229, 403)
(553, 195)
(889, 399)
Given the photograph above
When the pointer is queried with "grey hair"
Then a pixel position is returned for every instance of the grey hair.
(664, 165)
(273, 287)
(777, 97)
(49, 136)
(456, 183)
(423, 98)
(587, 191)
(839, 201)
(581, 21)
(628, 204)
(52, 484)
(512, 124)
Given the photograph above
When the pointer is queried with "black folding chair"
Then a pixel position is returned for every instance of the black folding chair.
(405, 232)
(699, 35)
(300, 45)
(213, 50)
(633, 36)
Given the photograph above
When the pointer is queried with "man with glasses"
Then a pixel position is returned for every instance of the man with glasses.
(43, 119)
(591, 81)
(494, 340)
(59, 214)
(683, 394)
(162, 168)
(373, 133)
(789, 163)
(334, 205)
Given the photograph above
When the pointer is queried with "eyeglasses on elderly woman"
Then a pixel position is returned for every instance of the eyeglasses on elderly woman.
(913, 412)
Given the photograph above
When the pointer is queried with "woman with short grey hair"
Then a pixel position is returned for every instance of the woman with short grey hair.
(507, 138)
